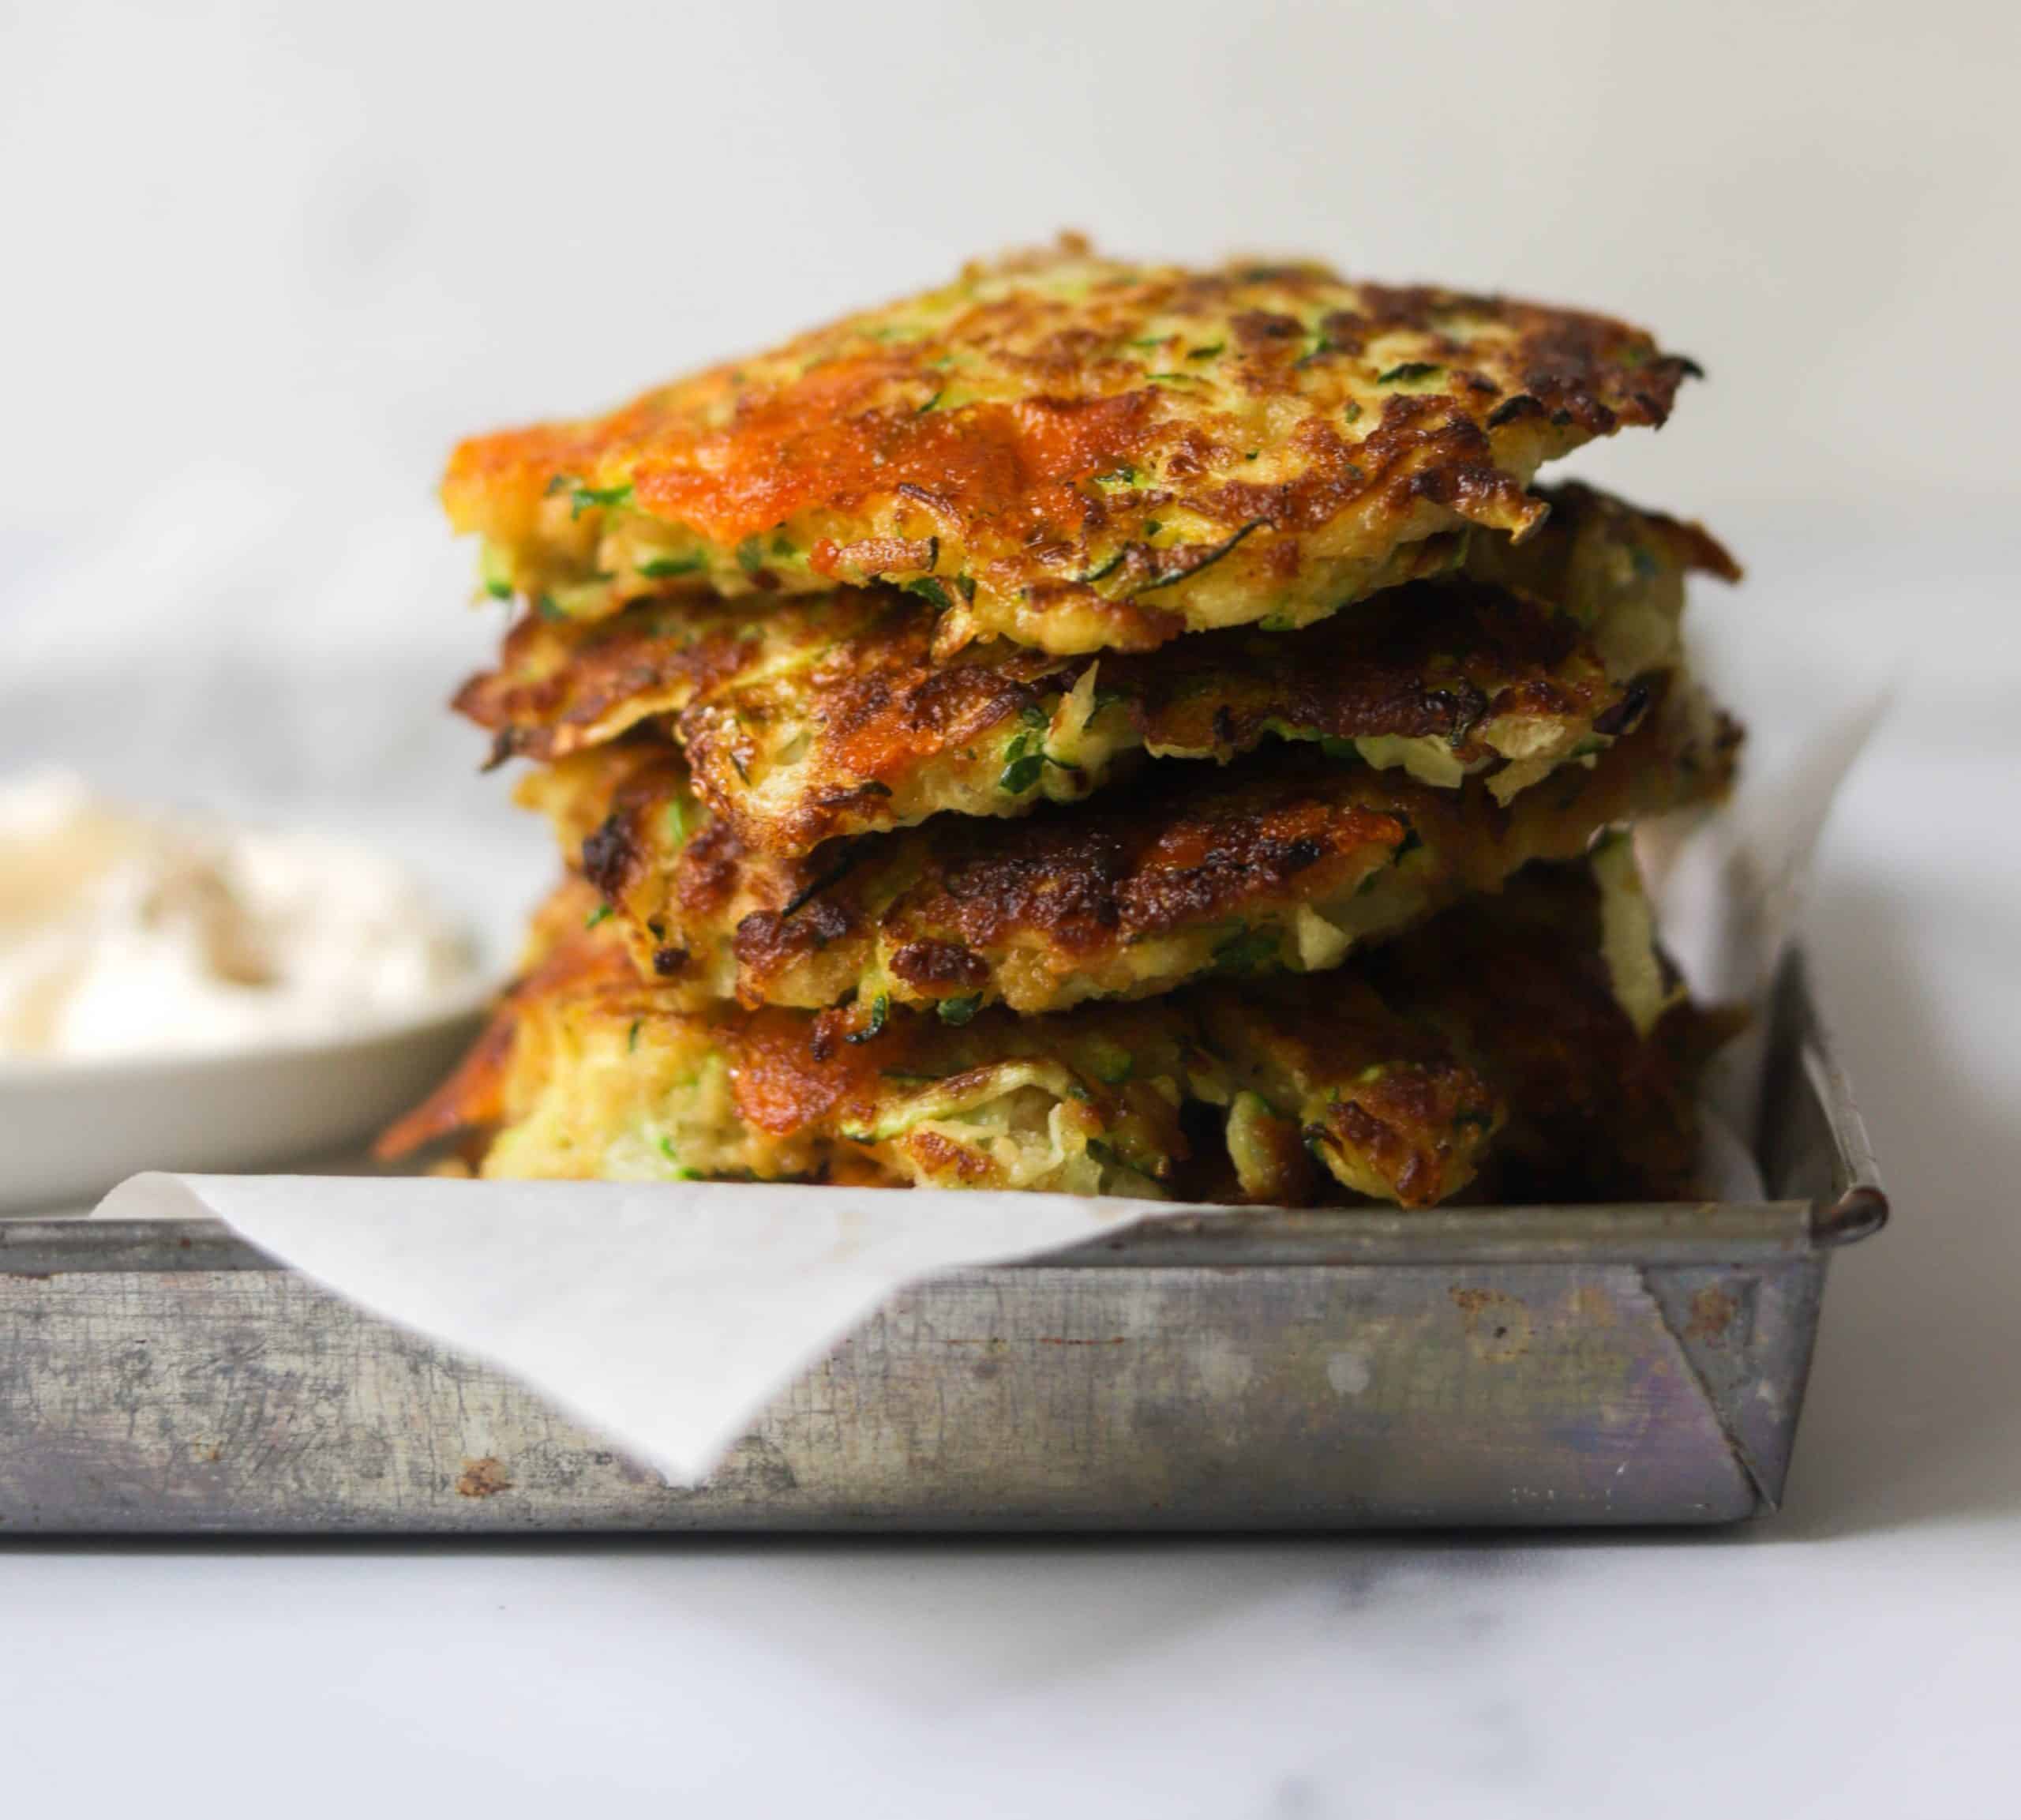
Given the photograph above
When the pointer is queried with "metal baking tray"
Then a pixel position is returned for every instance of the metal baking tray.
(1266, 1369)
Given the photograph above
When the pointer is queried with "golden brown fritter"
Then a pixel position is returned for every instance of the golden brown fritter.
(1599, 1108)
(1398, 1077)
(587, 1070)
(1072, 452)
(1286, 859)
(827, 714)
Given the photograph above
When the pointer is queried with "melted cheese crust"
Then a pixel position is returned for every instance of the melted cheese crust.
(1072, 452)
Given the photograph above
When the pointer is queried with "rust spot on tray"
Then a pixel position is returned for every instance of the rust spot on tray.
(1712, 1311)
(1592, 1306)
(1497, 1325)
(482, 1478)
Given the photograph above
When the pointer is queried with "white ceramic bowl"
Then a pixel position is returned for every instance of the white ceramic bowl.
(69, 1131)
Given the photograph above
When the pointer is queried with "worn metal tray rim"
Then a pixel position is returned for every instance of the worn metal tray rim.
(1230, 1237)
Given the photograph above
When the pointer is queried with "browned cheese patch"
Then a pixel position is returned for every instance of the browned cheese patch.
(1073, 452)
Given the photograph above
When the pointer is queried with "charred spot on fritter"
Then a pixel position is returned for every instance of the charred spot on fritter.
(610, 854)
(938, 968)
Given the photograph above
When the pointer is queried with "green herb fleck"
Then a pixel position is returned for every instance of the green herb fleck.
(499, 590)
(1206, 353)
(1351, 412)
(601, 914)
(750, 555)
(631, 1037)
(960, 1011)
(967, 584)
(881, 1008)
(929, 404)
(584, 497)
(545, 606)
(661, 568)
(1021, 766)
(1405, 371)
(928, 589)
(676, 823)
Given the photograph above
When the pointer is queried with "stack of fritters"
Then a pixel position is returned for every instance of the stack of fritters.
(1100, 729)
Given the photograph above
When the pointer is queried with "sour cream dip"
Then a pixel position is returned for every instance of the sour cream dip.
(128, 935)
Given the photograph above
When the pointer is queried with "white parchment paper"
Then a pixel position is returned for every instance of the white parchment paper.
(666, 1315)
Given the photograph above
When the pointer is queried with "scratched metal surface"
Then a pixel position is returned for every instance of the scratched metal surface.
(1472, 1367)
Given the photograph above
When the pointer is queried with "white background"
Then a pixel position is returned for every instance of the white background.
(260, 266)
(266, 263)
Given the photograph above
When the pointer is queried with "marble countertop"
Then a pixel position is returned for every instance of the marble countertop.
(1856, 1653)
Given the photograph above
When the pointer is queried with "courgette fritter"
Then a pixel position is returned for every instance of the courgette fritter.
(1393, 1079)
(1072, 452)
(589, 1071)
(827, 714)
(1285, 859)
